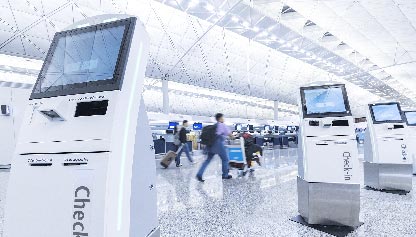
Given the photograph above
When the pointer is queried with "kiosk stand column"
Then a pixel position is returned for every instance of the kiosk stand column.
(328, 166)
(387, 159)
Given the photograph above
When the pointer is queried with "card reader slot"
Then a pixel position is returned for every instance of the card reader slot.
(91, 108)
(74, 164)
(41, 164)
(392, 138)
(60, 153)
(340, 123)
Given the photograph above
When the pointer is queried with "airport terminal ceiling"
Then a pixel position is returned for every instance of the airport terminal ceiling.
(261, 49)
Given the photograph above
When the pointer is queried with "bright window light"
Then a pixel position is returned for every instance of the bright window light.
(193, 3)
(20, 62)
(209, 7)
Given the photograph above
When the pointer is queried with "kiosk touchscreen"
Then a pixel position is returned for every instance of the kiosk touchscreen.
(328, 167)
(84, 164)
(411, 123)
(387, 161)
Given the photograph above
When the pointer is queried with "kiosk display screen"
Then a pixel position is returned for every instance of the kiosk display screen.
(85, 60)
(325, 101)
(386, 113)
(266, 127)
(238, 127)
(197, 126)
(411, 118)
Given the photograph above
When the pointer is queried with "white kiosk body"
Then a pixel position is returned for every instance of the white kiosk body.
(328, 167)
(411, 123)
(84, 163)
(387, 163)
(13, 101)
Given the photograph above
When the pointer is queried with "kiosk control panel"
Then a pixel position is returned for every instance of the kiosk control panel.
(84, 164)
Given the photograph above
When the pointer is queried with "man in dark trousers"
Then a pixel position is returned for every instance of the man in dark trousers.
(183, 144)
(218, 148)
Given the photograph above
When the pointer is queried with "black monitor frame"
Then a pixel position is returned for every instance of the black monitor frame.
(329, 114)
(405, 117)
(94, 86)
(389, 121)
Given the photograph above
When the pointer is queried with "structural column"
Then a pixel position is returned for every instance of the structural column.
(165, 91)
(276, 110)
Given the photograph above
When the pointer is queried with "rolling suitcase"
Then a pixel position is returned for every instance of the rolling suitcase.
(169, 157)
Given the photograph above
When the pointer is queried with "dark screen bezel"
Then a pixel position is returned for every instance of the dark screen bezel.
(370, 107)
(94, 86)
(329, 114)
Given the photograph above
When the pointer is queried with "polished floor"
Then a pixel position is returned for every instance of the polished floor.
(262, 204)
(259, 204)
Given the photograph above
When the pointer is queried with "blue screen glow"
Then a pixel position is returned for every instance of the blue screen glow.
(325, 100)
(172, 125)
(197, 126)
(385, 113)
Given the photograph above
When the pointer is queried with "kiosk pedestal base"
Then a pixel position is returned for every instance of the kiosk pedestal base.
(388, 176)
(329, 203)
(337, 231)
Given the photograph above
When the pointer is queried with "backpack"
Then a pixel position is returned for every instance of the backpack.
(176, 139)
(208, 135)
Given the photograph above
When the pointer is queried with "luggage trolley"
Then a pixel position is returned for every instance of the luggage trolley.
(237, 156)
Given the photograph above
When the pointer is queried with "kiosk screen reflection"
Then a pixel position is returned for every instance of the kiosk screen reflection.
(411, 118)
(82, 59)
(384, 113)
(325, 100)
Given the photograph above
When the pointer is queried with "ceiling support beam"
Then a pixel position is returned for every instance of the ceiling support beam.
(201, 37)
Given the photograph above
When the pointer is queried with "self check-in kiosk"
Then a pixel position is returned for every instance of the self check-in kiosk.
(328, 178)
(387, 161)
(411, 123)
(84, 164)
